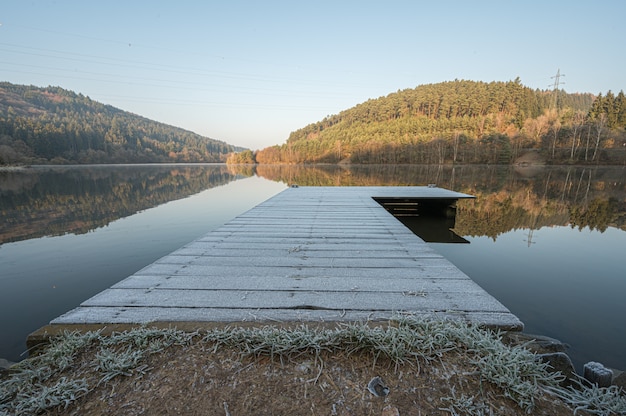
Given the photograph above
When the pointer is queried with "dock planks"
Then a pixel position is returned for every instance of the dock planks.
(309, 254)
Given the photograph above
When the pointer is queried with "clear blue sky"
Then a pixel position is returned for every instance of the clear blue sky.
(250, 72)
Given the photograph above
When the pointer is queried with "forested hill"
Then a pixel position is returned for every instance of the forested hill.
(53, 125)
(463, 122)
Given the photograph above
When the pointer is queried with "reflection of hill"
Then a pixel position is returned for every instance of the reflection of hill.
(352, 175)
(579, 197)
(507, 198)
(56, 201)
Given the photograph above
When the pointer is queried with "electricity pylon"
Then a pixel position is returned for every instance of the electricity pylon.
(557, 82)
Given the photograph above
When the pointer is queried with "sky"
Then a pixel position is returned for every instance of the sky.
(251, 72)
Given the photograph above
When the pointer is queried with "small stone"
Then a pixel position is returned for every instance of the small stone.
(5, 364)
(5, 368)
(539, 344)
(596, 373)
(390, 411)
(620, 380)
(559, 361)
(306, 367)
(377, 387)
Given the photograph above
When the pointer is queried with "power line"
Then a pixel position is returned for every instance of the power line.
(557, 82)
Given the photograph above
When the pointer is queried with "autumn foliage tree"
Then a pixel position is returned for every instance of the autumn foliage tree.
(460, 122)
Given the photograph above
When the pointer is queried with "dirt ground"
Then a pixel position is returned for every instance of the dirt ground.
(530, 158)
(193, 380)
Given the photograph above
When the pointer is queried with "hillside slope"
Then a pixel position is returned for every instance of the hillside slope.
(458, 122)
(53, 125)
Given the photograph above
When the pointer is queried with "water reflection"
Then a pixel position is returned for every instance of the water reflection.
(548, 243)
(42, 278)
(48, 201)
(508, 198)
(51, 201)
(433, 229)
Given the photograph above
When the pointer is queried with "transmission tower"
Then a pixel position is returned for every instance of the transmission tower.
(557, 82)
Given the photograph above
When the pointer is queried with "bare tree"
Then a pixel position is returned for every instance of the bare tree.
(599, 125)
(577, 123)
(536, 128)
(588, 138)
(439, 150)
(455, 145)
(338, 149)
(555, 126)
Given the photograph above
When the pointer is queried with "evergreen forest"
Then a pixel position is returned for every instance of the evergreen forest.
(57, 126)
(465, 122)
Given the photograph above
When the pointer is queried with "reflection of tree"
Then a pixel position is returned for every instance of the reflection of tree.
(507, 199)
(242, 170)
(491, 215)
(576, 196)
(598, 214)
(77, 200)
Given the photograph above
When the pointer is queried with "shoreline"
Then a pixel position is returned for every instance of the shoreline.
(537, 344)
(306, 365)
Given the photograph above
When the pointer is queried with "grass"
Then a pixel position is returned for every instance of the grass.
(466, 405)
(594, 400)
(52, 378)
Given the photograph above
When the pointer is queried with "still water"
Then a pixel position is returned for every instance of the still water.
(548, 243)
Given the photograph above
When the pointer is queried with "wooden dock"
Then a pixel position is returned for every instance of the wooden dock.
(309, 254)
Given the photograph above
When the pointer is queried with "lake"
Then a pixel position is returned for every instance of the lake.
(546, 242)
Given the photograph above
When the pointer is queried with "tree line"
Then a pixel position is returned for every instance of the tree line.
(462, 122)
(53, 125)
